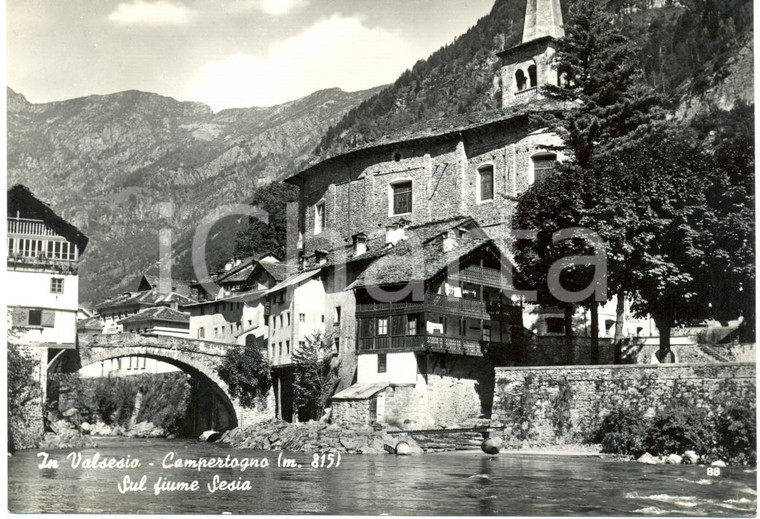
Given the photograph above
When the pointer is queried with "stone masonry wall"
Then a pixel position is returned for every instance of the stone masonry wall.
(461, 391)
(350, 413)
(567, 403)
(356, 190)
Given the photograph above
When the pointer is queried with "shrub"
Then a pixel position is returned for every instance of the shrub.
(623, 432)
(736, 432)
(678, 428)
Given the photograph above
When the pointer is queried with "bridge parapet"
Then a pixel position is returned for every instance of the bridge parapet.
(127, 340)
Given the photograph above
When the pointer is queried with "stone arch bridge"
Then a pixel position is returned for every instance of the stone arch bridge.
(195, 357)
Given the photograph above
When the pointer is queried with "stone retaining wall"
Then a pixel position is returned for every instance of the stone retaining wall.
(567, 403)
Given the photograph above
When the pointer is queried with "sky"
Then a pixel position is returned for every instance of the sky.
(225, 53)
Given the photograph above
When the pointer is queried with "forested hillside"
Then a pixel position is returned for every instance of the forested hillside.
(687, 48)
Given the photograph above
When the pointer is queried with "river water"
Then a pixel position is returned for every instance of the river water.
(466, 483)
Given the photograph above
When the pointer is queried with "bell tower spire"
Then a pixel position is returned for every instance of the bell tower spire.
(527, 66)
(542, 18)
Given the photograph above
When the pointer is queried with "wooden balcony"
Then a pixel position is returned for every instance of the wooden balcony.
(26, 227)
(441, 304)
(429, 343)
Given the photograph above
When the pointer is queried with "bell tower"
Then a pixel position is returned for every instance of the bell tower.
(527, 66)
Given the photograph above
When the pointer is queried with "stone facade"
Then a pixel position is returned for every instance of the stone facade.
(567, 403)
(349, 413)
(357, 190)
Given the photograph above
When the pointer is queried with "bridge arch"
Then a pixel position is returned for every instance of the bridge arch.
(196, 358)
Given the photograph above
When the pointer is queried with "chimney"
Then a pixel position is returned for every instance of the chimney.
(448, 241)
(360, 244)
(396, 232)
(227, 266)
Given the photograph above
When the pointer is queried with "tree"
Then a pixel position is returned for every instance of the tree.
(316, 374)
(245, 370)
(608, 109)
(23, 391)
(260, 238)
(654, 226)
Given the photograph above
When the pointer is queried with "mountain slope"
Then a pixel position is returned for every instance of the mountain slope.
(111, 163)
(692, 42)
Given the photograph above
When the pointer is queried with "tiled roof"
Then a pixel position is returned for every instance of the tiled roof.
(447, 127)
(294, 280)
(161, 313)
(91, 323)
(404, 263)
(422, 233)
(21, 200)
(238, 297)
(277, 270)
(146, 297)
(361, 391)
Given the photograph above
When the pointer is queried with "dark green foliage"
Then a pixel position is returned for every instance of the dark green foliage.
(245, 370)
(674, 45)
(24, 394)
(726, 430)
(736, 426)
(261, 239)
(111, 400)
(678, 428)
(316, 375)
(623, 431)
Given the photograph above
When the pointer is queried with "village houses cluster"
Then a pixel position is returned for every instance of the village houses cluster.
(401, 260)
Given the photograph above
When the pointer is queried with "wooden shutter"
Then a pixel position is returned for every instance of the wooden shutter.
(20, 317)
(48, 318)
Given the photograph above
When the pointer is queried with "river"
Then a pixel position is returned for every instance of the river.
(465, 483)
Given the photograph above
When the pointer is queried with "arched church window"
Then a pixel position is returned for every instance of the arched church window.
(533, 75)
(564, 76)
(520, 80)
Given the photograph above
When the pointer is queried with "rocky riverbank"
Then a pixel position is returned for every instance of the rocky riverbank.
(316, 437)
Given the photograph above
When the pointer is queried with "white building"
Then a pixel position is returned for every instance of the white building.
(41, 285)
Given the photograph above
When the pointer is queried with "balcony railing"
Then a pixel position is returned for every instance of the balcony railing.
(526, 93)
(443, 304)
(431, 343)
(29, 227)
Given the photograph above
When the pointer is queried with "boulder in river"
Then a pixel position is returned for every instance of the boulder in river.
(690, 457)
(210, 436)
(649, 459)
(718, 463)
(402, 449)
(673, 459)
(491, 445)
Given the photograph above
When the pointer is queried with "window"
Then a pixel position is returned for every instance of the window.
(321, 318)
(11, 241)
(201, 332)
(382, 326)
(336, 346)
(250, 322)
(319, 218)
(281, 321)
(35, 317)
(288, 317)
(543, 167)
(301, 345)
(463, 327)
(56, 286)
(555, 325)
(411, 326)
(302, 317)
(382, 363)
(486, 334)
(280, 347)
(287, 347)
(533, 76)
(337, 315)
(520, 80)
(485, 189)
(397, 156)
(216, 332)
(402, 197)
